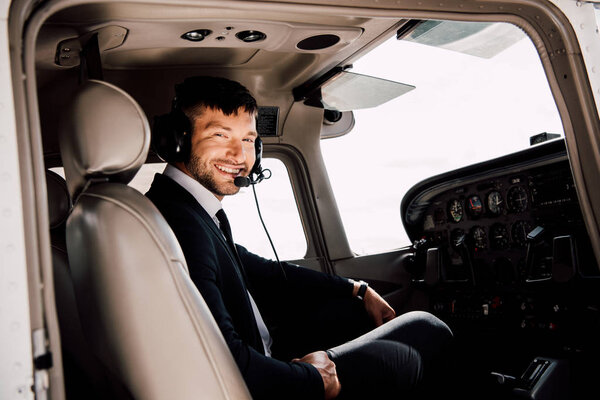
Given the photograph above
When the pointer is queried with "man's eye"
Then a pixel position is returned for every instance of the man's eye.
(249, 140)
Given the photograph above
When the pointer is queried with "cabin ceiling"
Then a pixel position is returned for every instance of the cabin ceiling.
(143, 36)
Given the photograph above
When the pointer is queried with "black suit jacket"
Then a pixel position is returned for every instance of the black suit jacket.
(216, 273)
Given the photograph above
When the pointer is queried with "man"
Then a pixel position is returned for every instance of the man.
(276, 320)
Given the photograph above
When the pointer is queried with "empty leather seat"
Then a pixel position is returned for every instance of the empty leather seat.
(85, 377)
(141, 314)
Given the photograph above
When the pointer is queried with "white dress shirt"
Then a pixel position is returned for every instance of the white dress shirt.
(211, 205)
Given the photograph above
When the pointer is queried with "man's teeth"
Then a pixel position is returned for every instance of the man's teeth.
(229, 170)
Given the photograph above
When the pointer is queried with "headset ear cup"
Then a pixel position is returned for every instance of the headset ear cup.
(171, 136)
(258, 149)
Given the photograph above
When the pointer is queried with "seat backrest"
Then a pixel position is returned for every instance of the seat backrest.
(85, 377)
(140, 312)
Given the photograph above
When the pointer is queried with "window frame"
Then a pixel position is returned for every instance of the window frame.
(316, 254)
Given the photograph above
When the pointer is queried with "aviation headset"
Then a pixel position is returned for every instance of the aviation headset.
(172, 141)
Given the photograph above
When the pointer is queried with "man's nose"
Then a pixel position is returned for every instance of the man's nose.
(236, 151)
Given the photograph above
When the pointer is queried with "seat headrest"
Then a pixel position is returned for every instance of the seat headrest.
(104, 135)
(59, 201)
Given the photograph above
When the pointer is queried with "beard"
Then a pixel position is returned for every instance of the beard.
(205, 176)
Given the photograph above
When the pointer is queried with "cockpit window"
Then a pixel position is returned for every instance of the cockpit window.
(481, 95)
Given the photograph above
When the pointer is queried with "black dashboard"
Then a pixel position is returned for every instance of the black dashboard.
(502, 251)
(512, 220)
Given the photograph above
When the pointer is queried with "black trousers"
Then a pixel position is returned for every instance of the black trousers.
(404, 358)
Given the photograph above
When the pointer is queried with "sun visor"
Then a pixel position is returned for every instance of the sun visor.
(349, 91)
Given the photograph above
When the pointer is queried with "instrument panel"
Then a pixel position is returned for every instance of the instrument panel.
(501, 223)
(497, 214)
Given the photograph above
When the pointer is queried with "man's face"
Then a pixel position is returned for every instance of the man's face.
(222, 148)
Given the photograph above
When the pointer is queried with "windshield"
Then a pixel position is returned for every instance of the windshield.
(465, 109)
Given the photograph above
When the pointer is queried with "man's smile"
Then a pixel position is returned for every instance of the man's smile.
(228, 170)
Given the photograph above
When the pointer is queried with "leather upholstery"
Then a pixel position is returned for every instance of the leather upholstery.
(140, 312)
(116, 139)
(85, 377)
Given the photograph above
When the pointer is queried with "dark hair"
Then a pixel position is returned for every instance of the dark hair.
(199, 92)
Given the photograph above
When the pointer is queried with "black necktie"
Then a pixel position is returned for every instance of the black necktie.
(226, 229)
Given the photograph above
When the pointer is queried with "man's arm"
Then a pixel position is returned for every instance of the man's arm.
(303, 281)
(266, 378)
(298, 280)
(378, 309)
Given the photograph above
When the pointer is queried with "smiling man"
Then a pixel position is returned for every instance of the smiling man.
(277, 320)
(222, 149)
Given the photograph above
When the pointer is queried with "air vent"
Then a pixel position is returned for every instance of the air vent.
(318, 42)
(250, 36)
(197, 35)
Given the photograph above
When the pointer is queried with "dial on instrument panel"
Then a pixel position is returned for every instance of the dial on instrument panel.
(517, 199)
(499, 236)
(519, 232)
(479, 237)
(457, 237)
(455, 209)
(474, 206)
(495, 203)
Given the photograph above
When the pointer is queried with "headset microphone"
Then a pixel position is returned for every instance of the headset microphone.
(242, 181)
(245, 181)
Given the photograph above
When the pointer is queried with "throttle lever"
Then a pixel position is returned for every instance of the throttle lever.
(503, 379)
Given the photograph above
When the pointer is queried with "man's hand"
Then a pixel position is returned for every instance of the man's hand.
(326, 368)
(377, 308)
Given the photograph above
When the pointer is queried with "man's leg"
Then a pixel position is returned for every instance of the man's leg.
(377, 369)
(403, 351)
(391, 359)
(421, 330)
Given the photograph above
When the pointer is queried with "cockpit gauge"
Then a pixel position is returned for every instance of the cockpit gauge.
(517, 199)
(455, 209)
(499, 236)
(478, 237)
(519, 232)
(474, 206)
(495, 202)
(457, 237)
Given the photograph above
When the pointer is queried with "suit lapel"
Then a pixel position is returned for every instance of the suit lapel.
(167, 189)
(178, 193)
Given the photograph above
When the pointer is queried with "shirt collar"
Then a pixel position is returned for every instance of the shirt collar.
(203, 196)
